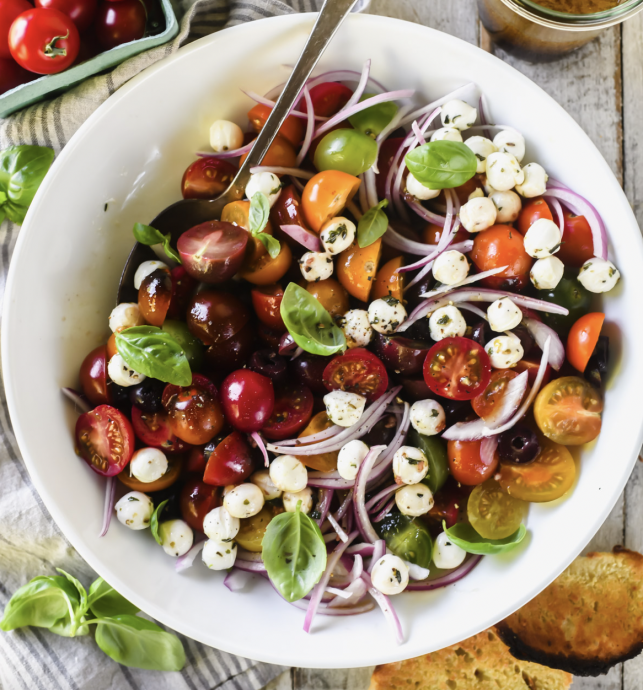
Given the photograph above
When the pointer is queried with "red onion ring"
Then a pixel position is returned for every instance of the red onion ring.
(387, 608)
(187, 559)
(108, 508)
(237, 579)
(234, 153)
(280, 170)
(488, 449)
(467, 281)
(540, 333)
(262, 447)
(361, 514)
(78, 399)
(448, 579)
(306, 238)
(310, 126)
(379, 549)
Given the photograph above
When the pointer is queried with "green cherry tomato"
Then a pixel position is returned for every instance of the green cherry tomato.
(435, 450)
(192, 347)
(407, 537)
(346, 150)
(568, 293)
(374, 119)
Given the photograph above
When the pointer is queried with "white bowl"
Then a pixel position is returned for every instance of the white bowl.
(124, 165)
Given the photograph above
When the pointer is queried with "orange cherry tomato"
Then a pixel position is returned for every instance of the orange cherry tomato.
(264, 270)
(331, 296)
(324, 462)
(111, 346)
(280, 154)
(293, 129)
(577, 245)
(582, 339)
(174, 465)
(356, 268)
(238, 213)
(498, 246)
(388, 282)
(432, 233)
(266, 301)
(532, 211)
(325, 195)
(466, 465)
(463, 191)
(486, 404)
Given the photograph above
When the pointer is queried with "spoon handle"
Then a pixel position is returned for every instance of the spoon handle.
(330, 18)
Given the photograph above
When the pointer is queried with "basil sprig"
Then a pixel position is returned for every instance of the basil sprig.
(464, 536)
(155, 353)
(147, 235)
(372, 225)
(442, 164)
(62, 605)
(259, 215)
(154, 522)
(310, 325)
(22, 169)
(294, 553)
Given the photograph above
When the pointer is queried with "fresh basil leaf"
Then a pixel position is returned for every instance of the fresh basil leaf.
(22, 169)
(147, 235)
(154, 522)
(105, 601)
(310, 325)
(139, 643)
(82, 592)
(442, 164)
(259, 213)
(155, 353)
(464, 536)
(294, 553)
(372, 225)
(273, 246)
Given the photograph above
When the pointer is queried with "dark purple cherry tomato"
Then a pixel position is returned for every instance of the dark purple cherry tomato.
(387, 152)
(93, 376)
(383, 432)
(269, 336)
(229, 462)
(293, 409)
(309, 371)
(154, 429)
(287, 211)
(207, 178)
(183, 285)
(228, 355)
(269, 363)
(248, 400)
(197, 500)
(148, 396)
(81, 12)
(216, 316)
(119, 22)
(415, 389)
(154, 296)
(12, 75)
(105, 440)
(402, 355)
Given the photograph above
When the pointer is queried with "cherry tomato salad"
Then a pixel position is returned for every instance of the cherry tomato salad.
(357, 380)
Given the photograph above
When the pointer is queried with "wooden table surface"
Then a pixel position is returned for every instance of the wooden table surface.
(601, 86)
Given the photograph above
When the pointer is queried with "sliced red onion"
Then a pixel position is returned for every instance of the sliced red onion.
(361, 514)
(237, 579)
(361, 86)
(250, 566)
(341, 593)
(555, 204)
(310, 127)
(77, 398)
(419, 137)
(370, 184)
(474, 310)
(488, 449)
(391, 127)
(280, 170)
(381, 496)
(342, 75)
(326, 610)
(187, 559)
(387, 608)
(540, 332)
(297, 353)
(319, 436)
(467, 281)
(346, 504)
(384, 511)
(352, 207)
(323, 505)
(457, 93)
(448, 579)
(379, 549)
(233, 153)
(424, 212)
(271, 104)
(358, 567)
(363, 195)
(336, 526)
(357, 591)
(108, 507)
(303, 236)
(363, 550)
(262, 447)
(331, 536)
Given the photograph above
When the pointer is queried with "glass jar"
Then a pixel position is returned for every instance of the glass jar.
(538, 34)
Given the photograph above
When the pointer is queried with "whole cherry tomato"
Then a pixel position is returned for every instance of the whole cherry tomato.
(327, 98)
(229, 462)
(432, 233)
(207, 178)
(578, 244)
(105, 440)
(197, 498)
(93, 376)
(264, 270)
(81, 12)
(331, 295)
(498, 246)
(44, 41)
(248, 400)
(154, 296)
(287, 209)
(293, 409)
(293, 128)
(12, 75)
(9, 10)
(216, 316)
(120, 22)
(266, 301)
(466, 463)
(155, 429)
(582, 339)
(533, 210)
(280, 154)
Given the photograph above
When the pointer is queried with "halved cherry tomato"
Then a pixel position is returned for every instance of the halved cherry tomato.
(356, 268)
(280, 154)
(388, 282)
(154, 296)
(582, 339)
(486, 404)
(457, 368)
(197, 499)
(531, 366)
(499, 246)
(229, 462)
(287, 209)
(267, 302)
(324, 462)
(154, 429)
(432, 233)
(173, 472)
(331, 295)
(577, 246)
(533, 210)
(466, 464)
(357, 371)
(293, 408)
(568, 411)
(264, 270)
(105, 440)
(494, 514)
(293, 128)
(253, 529)
(388, 151)
(207, 178)
(325, 195)
(327, 98)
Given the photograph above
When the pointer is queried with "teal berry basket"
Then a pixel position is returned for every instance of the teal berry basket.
(54, 84)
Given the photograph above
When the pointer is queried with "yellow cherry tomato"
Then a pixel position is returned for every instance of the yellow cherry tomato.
(494, 514)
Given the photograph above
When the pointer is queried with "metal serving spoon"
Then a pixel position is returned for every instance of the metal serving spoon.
(183, 215)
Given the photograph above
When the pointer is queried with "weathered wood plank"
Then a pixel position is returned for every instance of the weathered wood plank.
(282, 682)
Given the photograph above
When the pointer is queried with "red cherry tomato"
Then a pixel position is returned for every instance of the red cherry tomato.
(248, 400)
(9, 10)
(531, 366)
(119, 22)
(44, 41)
(488, 402)
(328, 98)
(457, 368)
(498, 246)
(293, 409)
(466, 464)
(532, 211)
(357, 371)
(12, 75)
(388, 150)
(105, 440)
(582, 339)
(293, 128)
(267, 303)
(287, 211)
(216, 316)
(154, 429)
(81, 12)
(432, 233)
(198, 456)
(577, 246)
(93, 376)
(197, 499)
(207, 178)
(450, 503)
(183, 285)
(229, 462)
(228, 355)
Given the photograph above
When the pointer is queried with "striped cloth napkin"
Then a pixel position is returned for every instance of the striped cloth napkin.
(30, 542)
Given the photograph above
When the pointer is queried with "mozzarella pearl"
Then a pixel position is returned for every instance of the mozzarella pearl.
(427, 417)
(386, 314)
(219, 555)
(225, 136)
(316, 266)
(390, 575)
(148, 465)
(269, 489)
(356, 327)
(135, 510)
(244, 501)
(288, 473)
(410, 465)
(488, 189)
(504, 351)
(503, 171)
(350, 457)
(292, 498)
(125, 315)
(481, 147)
(446, 134)
(414, 500)
(503, 315)
(121, 374)
(508, 206)
(176, 537)
(446, 554)
(265, 182)
(598, 275)
(478, 214)
(510, 141)
(337, 235)
(418, 190)
(144, 270)
(219, 525)
(542, 239)
(546, 273)
(344, 408)
(450, 267)
(535, 182)
(447, 322)
(458, 114)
